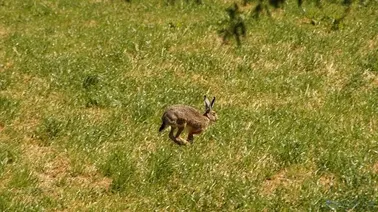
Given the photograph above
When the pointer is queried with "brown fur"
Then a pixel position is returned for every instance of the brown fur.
(186, 117)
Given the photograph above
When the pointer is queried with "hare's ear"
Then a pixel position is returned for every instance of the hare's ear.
(207, 104)
(212, 103)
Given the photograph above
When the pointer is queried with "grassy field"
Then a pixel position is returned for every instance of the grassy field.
(83, 85)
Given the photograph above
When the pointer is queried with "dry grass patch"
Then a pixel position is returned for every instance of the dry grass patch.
(247, 173)
(96, 114)
(100, 1)
(4, 31)
(375, 168)
(372, 79)
(7, 65)
(327, 181)
(289, 179)
(209, 42)
(335, 76)
(371, 44)
(54, 171)
(315, 102)
(91, 24)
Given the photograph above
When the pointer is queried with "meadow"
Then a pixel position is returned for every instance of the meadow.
(83, 85)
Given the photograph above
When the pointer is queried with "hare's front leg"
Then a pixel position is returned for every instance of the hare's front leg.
(172, 136)
(192, 133)
(179, 131)
(190, 137)
(177, 138)
(181, 124)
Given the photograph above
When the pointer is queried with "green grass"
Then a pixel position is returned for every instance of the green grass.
(83, 85)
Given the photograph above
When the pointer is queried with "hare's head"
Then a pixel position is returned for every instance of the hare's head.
(209, 112)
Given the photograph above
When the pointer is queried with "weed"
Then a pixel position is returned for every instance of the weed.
(7, 157)
(49, 129)
(8, 109)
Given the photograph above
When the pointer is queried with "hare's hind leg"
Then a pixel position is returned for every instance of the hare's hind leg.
(163, 126)
(173, 137)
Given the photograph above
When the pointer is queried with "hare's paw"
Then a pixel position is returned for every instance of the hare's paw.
(183, 141)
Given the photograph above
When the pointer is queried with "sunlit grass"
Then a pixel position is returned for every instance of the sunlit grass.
(83, 86)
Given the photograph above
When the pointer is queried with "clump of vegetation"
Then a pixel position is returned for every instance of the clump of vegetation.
(234, 26)
(262, 6)
(48, 130)
(186, 1)
(326, 16)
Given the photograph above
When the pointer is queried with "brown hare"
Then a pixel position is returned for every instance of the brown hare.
(185, 117)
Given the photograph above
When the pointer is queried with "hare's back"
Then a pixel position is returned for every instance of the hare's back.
(183, 111)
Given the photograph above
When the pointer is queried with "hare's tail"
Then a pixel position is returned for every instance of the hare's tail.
(162, 127)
